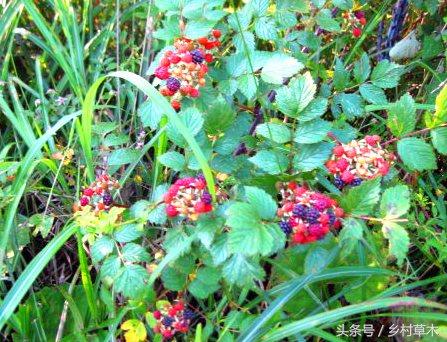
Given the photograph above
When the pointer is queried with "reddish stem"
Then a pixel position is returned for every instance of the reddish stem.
(411, 134)
(367, 218)
(334, 137)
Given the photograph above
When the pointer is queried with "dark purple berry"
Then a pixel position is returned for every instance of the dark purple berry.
(84, 201)
(312, 215)
(331, 217)
(339, 183)
(359, 14)
(206, 197)
(356, 182)
(320, 205)
(107, 199)
(188, 314)
(173, 84)
(201, 177)
(299, 210)
(285, 227)
(197, 57)
(167, 321)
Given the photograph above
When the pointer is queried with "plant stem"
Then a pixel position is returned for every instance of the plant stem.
(414, 133)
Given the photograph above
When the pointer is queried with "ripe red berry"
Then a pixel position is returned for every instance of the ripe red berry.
(362, 21)
(347, 176)
(339, 151)
(202, 40)
(289, 206)
(209, 46)
(171, 211)
(351, 153)
(84, 201)
(194, 93)
(169, 53)
(187, 89)
(324, 218)
(100, 206)
(346, 15)
(167, 198)
(217, 33)
(292, 185)
(185, 329)
(162, 73)
(201, 52)
(88, 192)
(357, 32)
(342, 164)
(157, 314)
(172, 312)
(383, 169)
(175, 59)
(325, 228)
(208, 207)
(311, 238)
(217, 43)
(337, 224)
(169, 92)
(98, 190)
(199, 207)
(178, 326)
(298, 237)
(377, 137)
(370, 140)
(173, 189)
(299, 191)
(179, 307)
(168, 333)
(165, 62)
(103, 178)
(176, 105)
(339, 212)
(187, 58)
(209, 58)
(331, 165)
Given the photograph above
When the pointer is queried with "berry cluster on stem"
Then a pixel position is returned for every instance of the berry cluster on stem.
(189, 198)
(307, 214)
(355, 19)
(184, 69)
(98, 194)
(359, 160)
(172, 319)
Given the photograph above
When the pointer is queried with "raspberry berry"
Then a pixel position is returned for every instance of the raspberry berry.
(157, 314)
(347, 176)
(339, 183)
(162, 73)
(165, 62)
(320, 205)
(188, 314)
(209, 58)
(168, 333)
(199, 207)
(107, 198)
(171, 211)
(288, 206)
(84, 201)
(88, 192)
(370, 140)
(100, 206)
(339, 151)
(172, 312)
(331, 165)
(176, 105)
(206, 197)
(209, 46)
(285, 227)
(339, 212)
(312, 215)
(357, 32)
(362, 21)
(299, 210)
(187, 58)
(359, 14)
(194, 93)
(217, 33)
(342, 164)
(202, 40)
(173, 84)
(179, 307)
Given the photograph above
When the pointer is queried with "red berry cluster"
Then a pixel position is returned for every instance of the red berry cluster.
(188, 197)
(364, 159)
(184, 69)
(307, 214)
(354, 19)
(98, 195)
(172, 319)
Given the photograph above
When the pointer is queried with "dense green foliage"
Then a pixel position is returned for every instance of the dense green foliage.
(100, 239)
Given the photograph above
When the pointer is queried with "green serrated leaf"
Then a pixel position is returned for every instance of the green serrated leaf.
(311, 132)
(351, 233)
(266, 29)
(262, 201)
(361, 199)
(312, 156)
(398, 239)
(386, 74)
(242, 271)
(198, 28)
(315, 260)
(416, 154)
(173, 279)
(326, 22)
(114, 139)
(247, 85)
(439, 139)
(362, 69)
(402, 116)
(173, 160)
(373, 94)
(219, 249)
(134, 253)
(279, 67)
(279, 133)
(101, 248)
(351, 104)
(317, 107)
(123, 156)
(128, 232)
(395, 202)
(131, 280)
(271, 162)
(341, 76)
